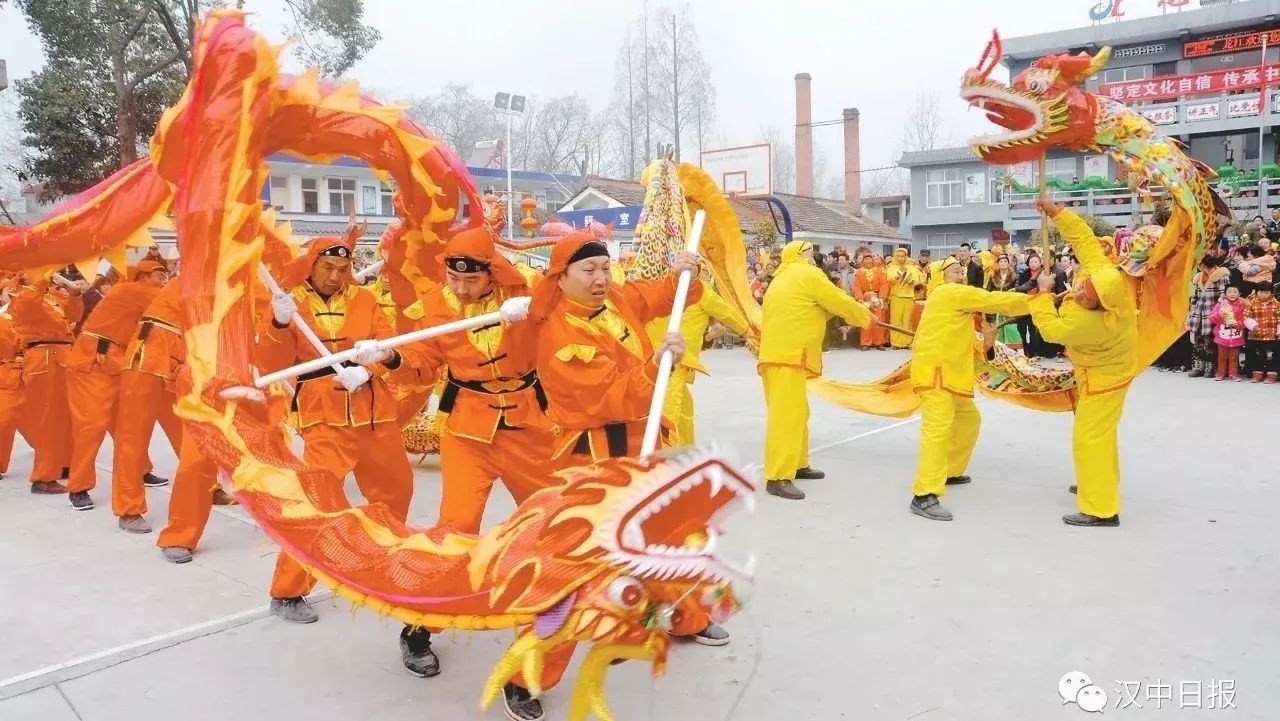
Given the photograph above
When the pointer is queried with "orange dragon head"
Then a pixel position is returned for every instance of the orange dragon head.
(621, 555)
(1043, 107)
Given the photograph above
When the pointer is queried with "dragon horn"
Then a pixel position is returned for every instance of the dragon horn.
(1097, 62)
(990, 56)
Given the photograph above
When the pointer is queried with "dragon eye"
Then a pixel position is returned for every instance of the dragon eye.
(626, 592)
(1037, 85)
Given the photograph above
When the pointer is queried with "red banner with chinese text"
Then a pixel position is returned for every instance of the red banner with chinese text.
(1175, 86)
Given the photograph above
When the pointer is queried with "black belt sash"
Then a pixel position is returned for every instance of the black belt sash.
(323, 372)
(36, 343)
(450, 394)
(615, 435)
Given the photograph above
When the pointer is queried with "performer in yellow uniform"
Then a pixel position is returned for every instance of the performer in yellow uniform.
(1099, 326)
(942, 374)
(678, 405)
(904, 280)
(796, 309)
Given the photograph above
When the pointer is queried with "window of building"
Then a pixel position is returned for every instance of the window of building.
(943, 188)
(943, 244)
(892, 216)
(310, 196)
(555, 199)
(342, 195)
(1124, 75)
(995, 193)
(279, 192)
(1063, 169)
(1162, 70)
(385, 193)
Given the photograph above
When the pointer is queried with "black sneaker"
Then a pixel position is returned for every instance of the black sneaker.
(521, 706)
(151, 480)
(784, 489)
(928, 506)
(958, 480)
(294, 610)
(416, 653)
(81, 501)
(712, 635)
(1084, 519)
(809, 474)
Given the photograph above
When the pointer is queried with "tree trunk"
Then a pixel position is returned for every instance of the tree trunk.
(675, 88)
(126, 124)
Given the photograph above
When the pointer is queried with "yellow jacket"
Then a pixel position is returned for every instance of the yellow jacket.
(795, 312)
(694, 322)
(1103, 344)
(942, 355)
(904, 286)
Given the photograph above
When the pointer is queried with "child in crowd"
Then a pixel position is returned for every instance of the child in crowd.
(1227, 318)
(1261, 317)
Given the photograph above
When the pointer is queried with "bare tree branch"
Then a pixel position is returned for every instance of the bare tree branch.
(171, 27)
(163, 63)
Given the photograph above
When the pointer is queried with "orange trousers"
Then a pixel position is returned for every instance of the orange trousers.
(875, 336)
(376, 457)
(468, 468)
(145, 399)
(49, 421)
(191, 497)
(91, 399)
(11, 423)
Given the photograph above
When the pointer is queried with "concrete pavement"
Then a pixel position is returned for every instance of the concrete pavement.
(861, 610)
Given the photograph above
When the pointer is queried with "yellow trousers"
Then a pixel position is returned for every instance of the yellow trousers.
(948, 431)
(900, 311)
(1097, 453)
(786, 434)
(677, 407)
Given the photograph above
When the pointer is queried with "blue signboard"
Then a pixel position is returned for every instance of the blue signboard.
(624, 218)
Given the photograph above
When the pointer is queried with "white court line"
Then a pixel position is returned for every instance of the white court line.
(752, 468)
(85, 665)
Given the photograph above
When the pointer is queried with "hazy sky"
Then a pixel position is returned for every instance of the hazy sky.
(875, 55)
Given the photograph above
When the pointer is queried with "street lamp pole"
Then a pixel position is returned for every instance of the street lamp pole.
(509, 105)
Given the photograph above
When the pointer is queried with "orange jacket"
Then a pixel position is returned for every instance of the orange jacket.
(490, 370)
(106, 333)
(42, 318)
(10, 359)
(350, 315)
(597, 366)
(158, 346)
(867, 281)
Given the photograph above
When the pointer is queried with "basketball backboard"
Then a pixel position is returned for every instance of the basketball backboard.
(745, 171)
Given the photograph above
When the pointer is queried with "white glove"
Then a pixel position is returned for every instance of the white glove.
(1251, 324)
(368, 352)
(352, 378)
(514, 309)
(283, 307)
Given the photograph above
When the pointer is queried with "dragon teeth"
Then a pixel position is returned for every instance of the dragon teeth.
(632, 535)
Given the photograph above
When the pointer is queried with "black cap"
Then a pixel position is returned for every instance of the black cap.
(465, 264)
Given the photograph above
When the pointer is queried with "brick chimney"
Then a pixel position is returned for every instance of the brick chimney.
(804, 136)
(852, 162)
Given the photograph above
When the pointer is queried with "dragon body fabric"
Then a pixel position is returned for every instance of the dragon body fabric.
(618, 556)
(1045, 107)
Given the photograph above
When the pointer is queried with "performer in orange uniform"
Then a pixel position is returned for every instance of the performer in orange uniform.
(347, 418)
(11, 405)
(42, 318)
(147, 397)
(189, 499)
(871, 288)
(93, 373)
(493, 408)
(595, 360)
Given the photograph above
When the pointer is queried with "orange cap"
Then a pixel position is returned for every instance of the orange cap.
(472, 250)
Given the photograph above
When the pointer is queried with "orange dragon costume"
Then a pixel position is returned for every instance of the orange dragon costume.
(603, 559)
